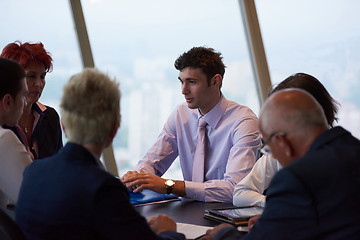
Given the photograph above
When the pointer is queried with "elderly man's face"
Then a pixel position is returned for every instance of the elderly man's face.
(276, 144)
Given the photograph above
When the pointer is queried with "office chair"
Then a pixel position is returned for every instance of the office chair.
(8, 228)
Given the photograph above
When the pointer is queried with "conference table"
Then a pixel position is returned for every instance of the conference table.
(183, 211)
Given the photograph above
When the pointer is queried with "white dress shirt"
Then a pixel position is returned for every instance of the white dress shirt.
(250, 190)
(13, 160)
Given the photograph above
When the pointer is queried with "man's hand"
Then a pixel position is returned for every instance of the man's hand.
(128, 174)
(138, 181)
(252, 221)
(211, 232)
(161, 223)
(126, 177)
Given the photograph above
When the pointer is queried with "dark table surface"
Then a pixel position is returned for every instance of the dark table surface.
(184, 211)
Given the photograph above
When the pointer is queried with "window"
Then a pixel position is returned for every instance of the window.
(319, 38)
(138, 41)
(51, 24)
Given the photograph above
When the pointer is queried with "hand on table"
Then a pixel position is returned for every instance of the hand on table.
(252, 221)
(138, 181)
(161, 223)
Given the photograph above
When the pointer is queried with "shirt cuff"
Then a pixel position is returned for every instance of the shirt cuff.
(195, 190)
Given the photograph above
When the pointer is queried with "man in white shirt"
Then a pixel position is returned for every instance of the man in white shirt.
(14, 157)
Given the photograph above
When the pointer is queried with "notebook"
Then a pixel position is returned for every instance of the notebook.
(150, 197)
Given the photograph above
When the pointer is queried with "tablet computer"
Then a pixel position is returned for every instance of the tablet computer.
(235, 215)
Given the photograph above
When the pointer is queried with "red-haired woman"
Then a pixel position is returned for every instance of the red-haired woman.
(39, 126)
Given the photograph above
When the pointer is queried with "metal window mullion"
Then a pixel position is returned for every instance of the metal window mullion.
(256, 48)
(88, 61)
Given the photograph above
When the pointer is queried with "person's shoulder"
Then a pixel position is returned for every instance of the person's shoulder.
(8, 137)
(96, 179)
(46, 109)
(333, 153)
(330, 146)
(51, 111)
(285, 180)
(37, 169)
(311, 169)
(266, 161)
(76, 162)
(12, 148)
(241, 117)
(4, 132)
(52, 115)
(239, 109)
(271, 163)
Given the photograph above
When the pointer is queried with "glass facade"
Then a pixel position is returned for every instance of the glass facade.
(137, 42)
(51, 24)
(320, 38)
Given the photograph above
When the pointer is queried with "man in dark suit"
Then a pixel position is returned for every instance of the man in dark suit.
(317, 194)
(70, 195)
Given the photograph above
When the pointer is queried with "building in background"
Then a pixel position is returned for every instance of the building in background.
(137, 42)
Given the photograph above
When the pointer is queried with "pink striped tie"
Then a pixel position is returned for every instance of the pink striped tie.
(199, 157)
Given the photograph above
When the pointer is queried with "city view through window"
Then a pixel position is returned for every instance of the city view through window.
(137, 42)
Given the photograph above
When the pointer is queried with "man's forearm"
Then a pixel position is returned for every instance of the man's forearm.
(179, 188)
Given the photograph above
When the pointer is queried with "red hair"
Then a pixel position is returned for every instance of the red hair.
(26, 53)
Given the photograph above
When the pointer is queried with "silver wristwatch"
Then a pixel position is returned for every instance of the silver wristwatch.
(169, 184)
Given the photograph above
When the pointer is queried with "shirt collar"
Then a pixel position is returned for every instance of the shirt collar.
(96, 158)
(41, 106)
(98, 161)
(38, 110)
(327, 136)
(214, 115)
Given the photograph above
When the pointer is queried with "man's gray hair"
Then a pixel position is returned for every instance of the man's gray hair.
(90, 107)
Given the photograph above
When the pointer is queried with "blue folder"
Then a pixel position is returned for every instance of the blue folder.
(149, 197)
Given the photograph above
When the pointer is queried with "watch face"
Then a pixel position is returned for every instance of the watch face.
(169, 182)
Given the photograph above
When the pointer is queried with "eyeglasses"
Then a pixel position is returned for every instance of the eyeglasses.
(265, 149)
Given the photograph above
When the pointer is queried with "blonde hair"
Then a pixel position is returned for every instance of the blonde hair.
(90, 107)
